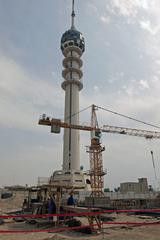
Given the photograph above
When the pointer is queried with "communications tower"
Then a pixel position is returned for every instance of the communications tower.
(72, 46)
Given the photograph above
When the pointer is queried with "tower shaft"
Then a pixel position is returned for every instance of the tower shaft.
(72, 85)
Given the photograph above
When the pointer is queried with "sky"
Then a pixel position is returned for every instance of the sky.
(121, 67)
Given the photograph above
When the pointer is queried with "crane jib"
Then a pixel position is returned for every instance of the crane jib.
(106, 128)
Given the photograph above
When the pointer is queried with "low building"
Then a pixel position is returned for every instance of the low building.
(136, 187)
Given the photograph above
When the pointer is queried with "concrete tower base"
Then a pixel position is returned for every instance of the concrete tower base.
(68, 179)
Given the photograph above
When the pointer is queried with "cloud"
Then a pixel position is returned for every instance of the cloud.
(92, 7)
(142, 12)
(96, 88)
(105, 19)
(135, 88)
(130, 7)
(146, 25)
(23, 96)
(143, 84)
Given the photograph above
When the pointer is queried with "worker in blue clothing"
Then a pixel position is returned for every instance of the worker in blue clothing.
(71, 200)
(51, 206)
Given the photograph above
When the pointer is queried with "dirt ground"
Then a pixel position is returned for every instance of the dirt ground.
(111, 232)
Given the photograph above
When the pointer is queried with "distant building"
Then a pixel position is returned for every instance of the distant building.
(137, 187)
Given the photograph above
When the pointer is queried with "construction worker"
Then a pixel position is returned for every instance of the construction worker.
(51, 206)
(71, 200)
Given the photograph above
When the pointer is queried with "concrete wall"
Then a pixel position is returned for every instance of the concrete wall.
(98, 202)
(117, 195)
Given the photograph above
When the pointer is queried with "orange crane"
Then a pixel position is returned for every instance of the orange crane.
(95, 150)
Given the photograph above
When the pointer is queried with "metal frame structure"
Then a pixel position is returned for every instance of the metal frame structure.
(95, 150)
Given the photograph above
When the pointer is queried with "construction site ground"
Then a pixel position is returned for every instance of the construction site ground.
(111, 232)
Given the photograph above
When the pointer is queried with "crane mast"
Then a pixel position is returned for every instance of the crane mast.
(95, 150)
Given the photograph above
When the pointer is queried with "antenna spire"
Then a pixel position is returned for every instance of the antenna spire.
(73, 15)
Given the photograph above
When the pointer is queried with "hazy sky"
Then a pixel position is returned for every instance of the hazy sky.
(121, 72)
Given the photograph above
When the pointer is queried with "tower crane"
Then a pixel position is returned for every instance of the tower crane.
(95, 150)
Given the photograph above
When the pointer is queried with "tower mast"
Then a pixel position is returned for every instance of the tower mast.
(73, 16)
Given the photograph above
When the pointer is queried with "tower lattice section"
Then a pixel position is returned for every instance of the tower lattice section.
(95, 150)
